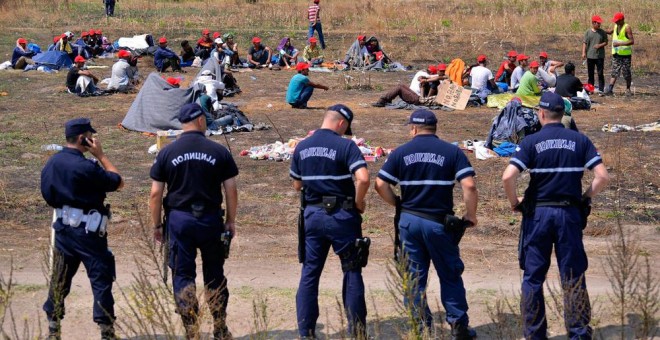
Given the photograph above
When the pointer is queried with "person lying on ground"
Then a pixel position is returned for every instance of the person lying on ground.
(204, 45)
(81, 81)
(528, 83)
(124, 76)
(312, 54)
(259, 55)
(355, 54)
(301, 88)
(416, 82)
(481, 78)
(407, 95)
(229, 44)
(518, 72)
(288, 55)
(505, 71)
(568, 84)
(431, 83)
(21, 56)
(213, 88)
(187, 53)
(165, 58)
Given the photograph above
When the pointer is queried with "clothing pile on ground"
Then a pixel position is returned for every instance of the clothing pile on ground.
(512, 124)
(650, 127)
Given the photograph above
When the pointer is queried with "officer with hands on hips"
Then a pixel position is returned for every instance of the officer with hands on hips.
(196, 170)
(554, 214)
(324, 165)
(426, 169)
(76, 188)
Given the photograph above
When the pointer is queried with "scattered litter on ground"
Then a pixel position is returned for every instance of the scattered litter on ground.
(623, 128)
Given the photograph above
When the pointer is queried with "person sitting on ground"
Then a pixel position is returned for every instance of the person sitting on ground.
(21, 56)
(481, 78)
(355, 54)
(63, 45)
(216, 35)
(431, 83)
(301, 88)
(229, 44)
(568, 85)
(106, 43)
(312, 54)
(94, 43)
(165, 58)
(258, 55)
(82, 45)
(374, 53)
(288, 55)
(187, 53)
(518, 72)
(124, 77)
(505, 71)
(204, 45)
(528, 83)
(416, 82)
(549, 66)
(81, 81)
(212, 87)
(407, 95)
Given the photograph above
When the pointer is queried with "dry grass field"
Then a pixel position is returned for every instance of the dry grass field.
(263, 269)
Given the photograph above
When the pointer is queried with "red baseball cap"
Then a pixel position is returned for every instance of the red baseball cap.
(216, 35)
(361, 37)
(98, 32)
(617, 16)
(162, 40)
(256, 40)
(589, 88)
(442, 67)
(92, 32)
(173, 81)
(534, 64)
(79, 59)
(21, 41)
(312, 40)
(544, 55)
(57, 38)
(205, 31)
(433, 69)
(521, 57)
(123, 54)
(481, 58)
(596, 18)
(512, 53)
(302, 66)
(84, 34)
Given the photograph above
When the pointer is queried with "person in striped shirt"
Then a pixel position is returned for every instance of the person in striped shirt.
(313, 14)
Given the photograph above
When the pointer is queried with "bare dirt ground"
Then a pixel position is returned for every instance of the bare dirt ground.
(263, 261)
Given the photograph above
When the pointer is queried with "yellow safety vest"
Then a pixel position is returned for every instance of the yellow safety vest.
(620, 37)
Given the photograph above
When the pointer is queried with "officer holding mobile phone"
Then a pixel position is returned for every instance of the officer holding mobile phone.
(76, 187)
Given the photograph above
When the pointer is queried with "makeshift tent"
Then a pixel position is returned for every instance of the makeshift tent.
(156, 106)
(53, 59)
(512, 124)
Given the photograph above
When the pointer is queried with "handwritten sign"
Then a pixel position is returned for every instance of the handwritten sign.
(453, 96)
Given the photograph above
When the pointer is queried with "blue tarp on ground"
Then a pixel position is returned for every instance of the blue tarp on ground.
(53, 59)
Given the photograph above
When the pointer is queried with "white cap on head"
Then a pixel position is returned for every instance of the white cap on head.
(218, 41)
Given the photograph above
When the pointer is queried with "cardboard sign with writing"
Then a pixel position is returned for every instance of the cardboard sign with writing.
(453, 96)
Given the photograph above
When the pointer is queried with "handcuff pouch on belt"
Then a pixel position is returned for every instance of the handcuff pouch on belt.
(331, 202)
(360, 252)
(197, 209)
(94, 220)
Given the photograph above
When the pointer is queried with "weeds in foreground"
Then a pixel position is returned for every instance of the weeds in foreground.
(260, 318)
(505, 318)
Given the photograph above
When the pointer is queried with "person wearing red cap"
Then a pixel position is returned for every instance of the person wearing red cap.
(109, 7)
(312, 54)
(549, 66)
(431, 83)
(420, 86)
(204, 45)
(622, 42)
(314, 17)
(165, 58)
(124, 77)
(81, 81)
(355, 54)
(503, 74)
(518, 72)
(528, 83)
(301, 88)
(83, 46)
(258, 55)
(21, 56)
(481, 78)
(593, 51)
(64, 45)
(375, 57)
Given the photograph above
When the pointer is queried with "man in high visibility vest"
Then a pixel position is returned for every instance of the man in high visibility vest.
(622, 41)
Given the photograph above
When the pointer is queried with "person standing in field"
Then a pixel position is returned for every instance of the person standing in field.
(622, 41)
(593, 51)
(109, 7)
(314, 17)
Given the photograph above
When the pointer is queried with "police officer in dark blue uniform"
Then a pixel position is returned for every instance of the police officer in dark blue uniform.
(76, 188)
(553, 215)
(426, 169)
(196, 170)
(324, 165)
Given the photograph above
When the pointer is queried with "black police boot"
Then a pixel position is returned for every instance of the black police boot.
(54, 330)
(462, 332)
(222, 333)
(107, 332)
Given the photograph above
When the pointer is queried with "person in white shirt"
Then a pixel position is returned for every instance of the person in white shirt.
(481, 78)
(124, 76)
(518, 72)
(213, 87)
(416, 84)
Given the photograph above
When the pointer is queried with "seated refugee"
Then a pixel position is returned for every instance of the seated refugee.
(103, 43)
(220, 56)
(258, 54)
(375, 57)
(63, 45)
(568, 85)
(82, 46)
(287, 54)
(124, 76)
(431, 83)
(165, 58)
(301, 88)
(503, 75)
(312, 54)
(204, 45)
(549, 66)
(407, 95)
(518, 72)
(213, 87)
(481, 78)
(528, 83)
(81, 81)
(355, 54)
(416, 82)
(187, 54)
(232, 60)
(94, 43)
(22, 56)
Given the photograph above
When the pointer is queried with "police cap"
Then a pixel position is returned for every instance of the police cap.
(552, 101)
(189, 112)
(345, 112)
(423, 117)
(77, 126)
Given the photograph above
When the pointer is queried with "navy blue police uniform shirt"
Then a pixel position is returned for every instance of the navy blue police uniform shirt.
(556, 158)
(69, 178)
(194, 168)
(426, 168)
(325, 163)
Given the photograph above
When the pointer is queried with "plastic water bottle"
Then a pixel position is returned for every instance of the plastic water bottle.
(51, 147)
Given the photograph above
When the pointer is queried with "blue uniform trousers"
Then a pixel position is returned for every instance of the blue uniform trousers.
(73, 246)
(187, 234)
(558, 226)
(425, 241)
(316, 27)
(338, 229)
(109, 7)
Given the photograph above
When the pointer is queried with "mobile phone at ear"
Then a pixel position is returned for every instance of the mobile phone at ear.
(84, 142)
